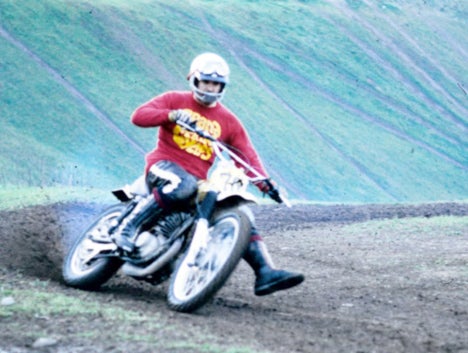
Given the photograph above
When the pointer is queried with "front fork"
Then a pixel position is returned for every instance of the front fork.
(200, 237)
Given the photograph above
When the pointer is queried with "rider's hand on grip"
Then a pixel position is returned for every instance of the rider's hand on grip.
(181, 116)
(270, 188)
(275, 195)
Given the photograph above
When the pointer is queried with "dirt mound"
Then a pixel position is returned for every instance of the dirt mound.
(388, 292)
(34, 238)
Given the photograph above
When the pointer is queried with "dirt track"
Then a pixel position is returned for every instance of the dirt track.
(366, 289)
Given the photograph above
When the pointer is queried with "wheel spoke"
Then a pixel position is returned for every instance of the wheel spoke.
(96, 241)
(193, 278)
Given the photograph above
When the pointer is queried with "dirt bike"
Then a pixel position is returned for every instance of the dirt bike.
(197, 252)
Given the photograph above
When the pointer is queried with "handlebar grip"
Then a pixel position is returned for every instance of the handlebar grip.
(193, 128)
(275, 193)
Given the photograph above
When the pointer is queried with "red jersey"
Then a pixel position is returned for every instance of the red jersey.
(191, 152)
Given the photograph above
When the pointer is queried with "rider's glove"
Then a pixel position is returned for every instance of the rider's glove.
(269, 187)
(181, 116)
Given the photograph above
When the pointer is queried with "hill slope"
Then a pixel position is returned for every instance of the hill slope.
(347, 101)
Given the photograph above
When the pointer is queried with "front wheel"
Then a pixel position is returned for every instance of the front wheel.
(192, 285)
(86, 265)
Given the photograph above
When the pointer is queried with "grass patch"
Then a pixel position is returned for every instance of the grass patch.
(36, 302)
(375, 117)
(19, 197)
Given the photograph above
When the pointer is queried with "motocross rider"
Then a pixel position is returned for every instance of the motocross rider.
(180, 159)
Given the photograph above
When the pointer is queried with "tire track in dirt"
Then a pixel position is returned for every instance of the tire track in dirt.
(401, 108)
(406, 59)
(435, 66)
(362, 114)
(346, 76)
(398, 106)
(398, 76)
(456, 46)
(72, 90)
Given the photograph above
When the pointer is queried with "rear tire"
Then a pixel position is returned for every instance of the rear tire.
(80, 269)
(192, 286)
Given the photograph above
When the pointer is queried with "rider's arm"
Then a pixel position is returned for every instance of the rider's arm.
(241, 141)
(154, 112)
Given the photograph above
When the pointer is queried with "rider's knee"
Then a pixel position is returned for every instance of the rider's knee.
(172, 183)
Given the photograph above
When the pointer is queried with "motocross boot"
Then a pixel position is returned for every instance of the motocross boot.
(268, 279)
(146, 210)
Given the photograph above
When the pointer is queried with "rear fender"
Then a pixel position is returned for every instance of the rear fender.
(130, 191)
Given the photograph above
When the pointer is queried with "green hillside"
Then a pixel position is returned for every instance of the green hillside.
(346, 101)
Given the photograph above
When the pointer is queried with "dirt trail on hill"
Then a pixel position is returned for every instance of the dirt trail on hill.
(70, 88)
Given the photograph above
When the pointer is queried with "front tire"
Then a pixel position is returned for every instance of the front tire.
(191, 286)
(80, 268)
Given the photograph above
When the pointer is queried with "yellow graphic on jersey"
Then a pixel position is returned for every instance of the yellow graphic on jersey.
(191, 143)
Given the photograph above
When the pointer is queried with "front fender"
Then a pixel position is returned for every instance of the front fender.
(238, 196)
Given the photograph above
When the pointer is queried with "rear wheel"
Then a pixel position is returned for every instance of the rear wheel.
(82, 268)
(192, 285)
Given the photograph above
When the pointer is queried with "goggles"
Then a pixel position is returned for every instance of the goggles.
(214, 69)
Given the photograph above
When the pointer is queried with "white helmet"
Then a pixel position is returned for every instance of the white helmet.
(208, 67)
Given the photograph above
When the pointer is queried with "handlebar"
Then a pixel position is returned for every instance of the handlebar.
(219, 147)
